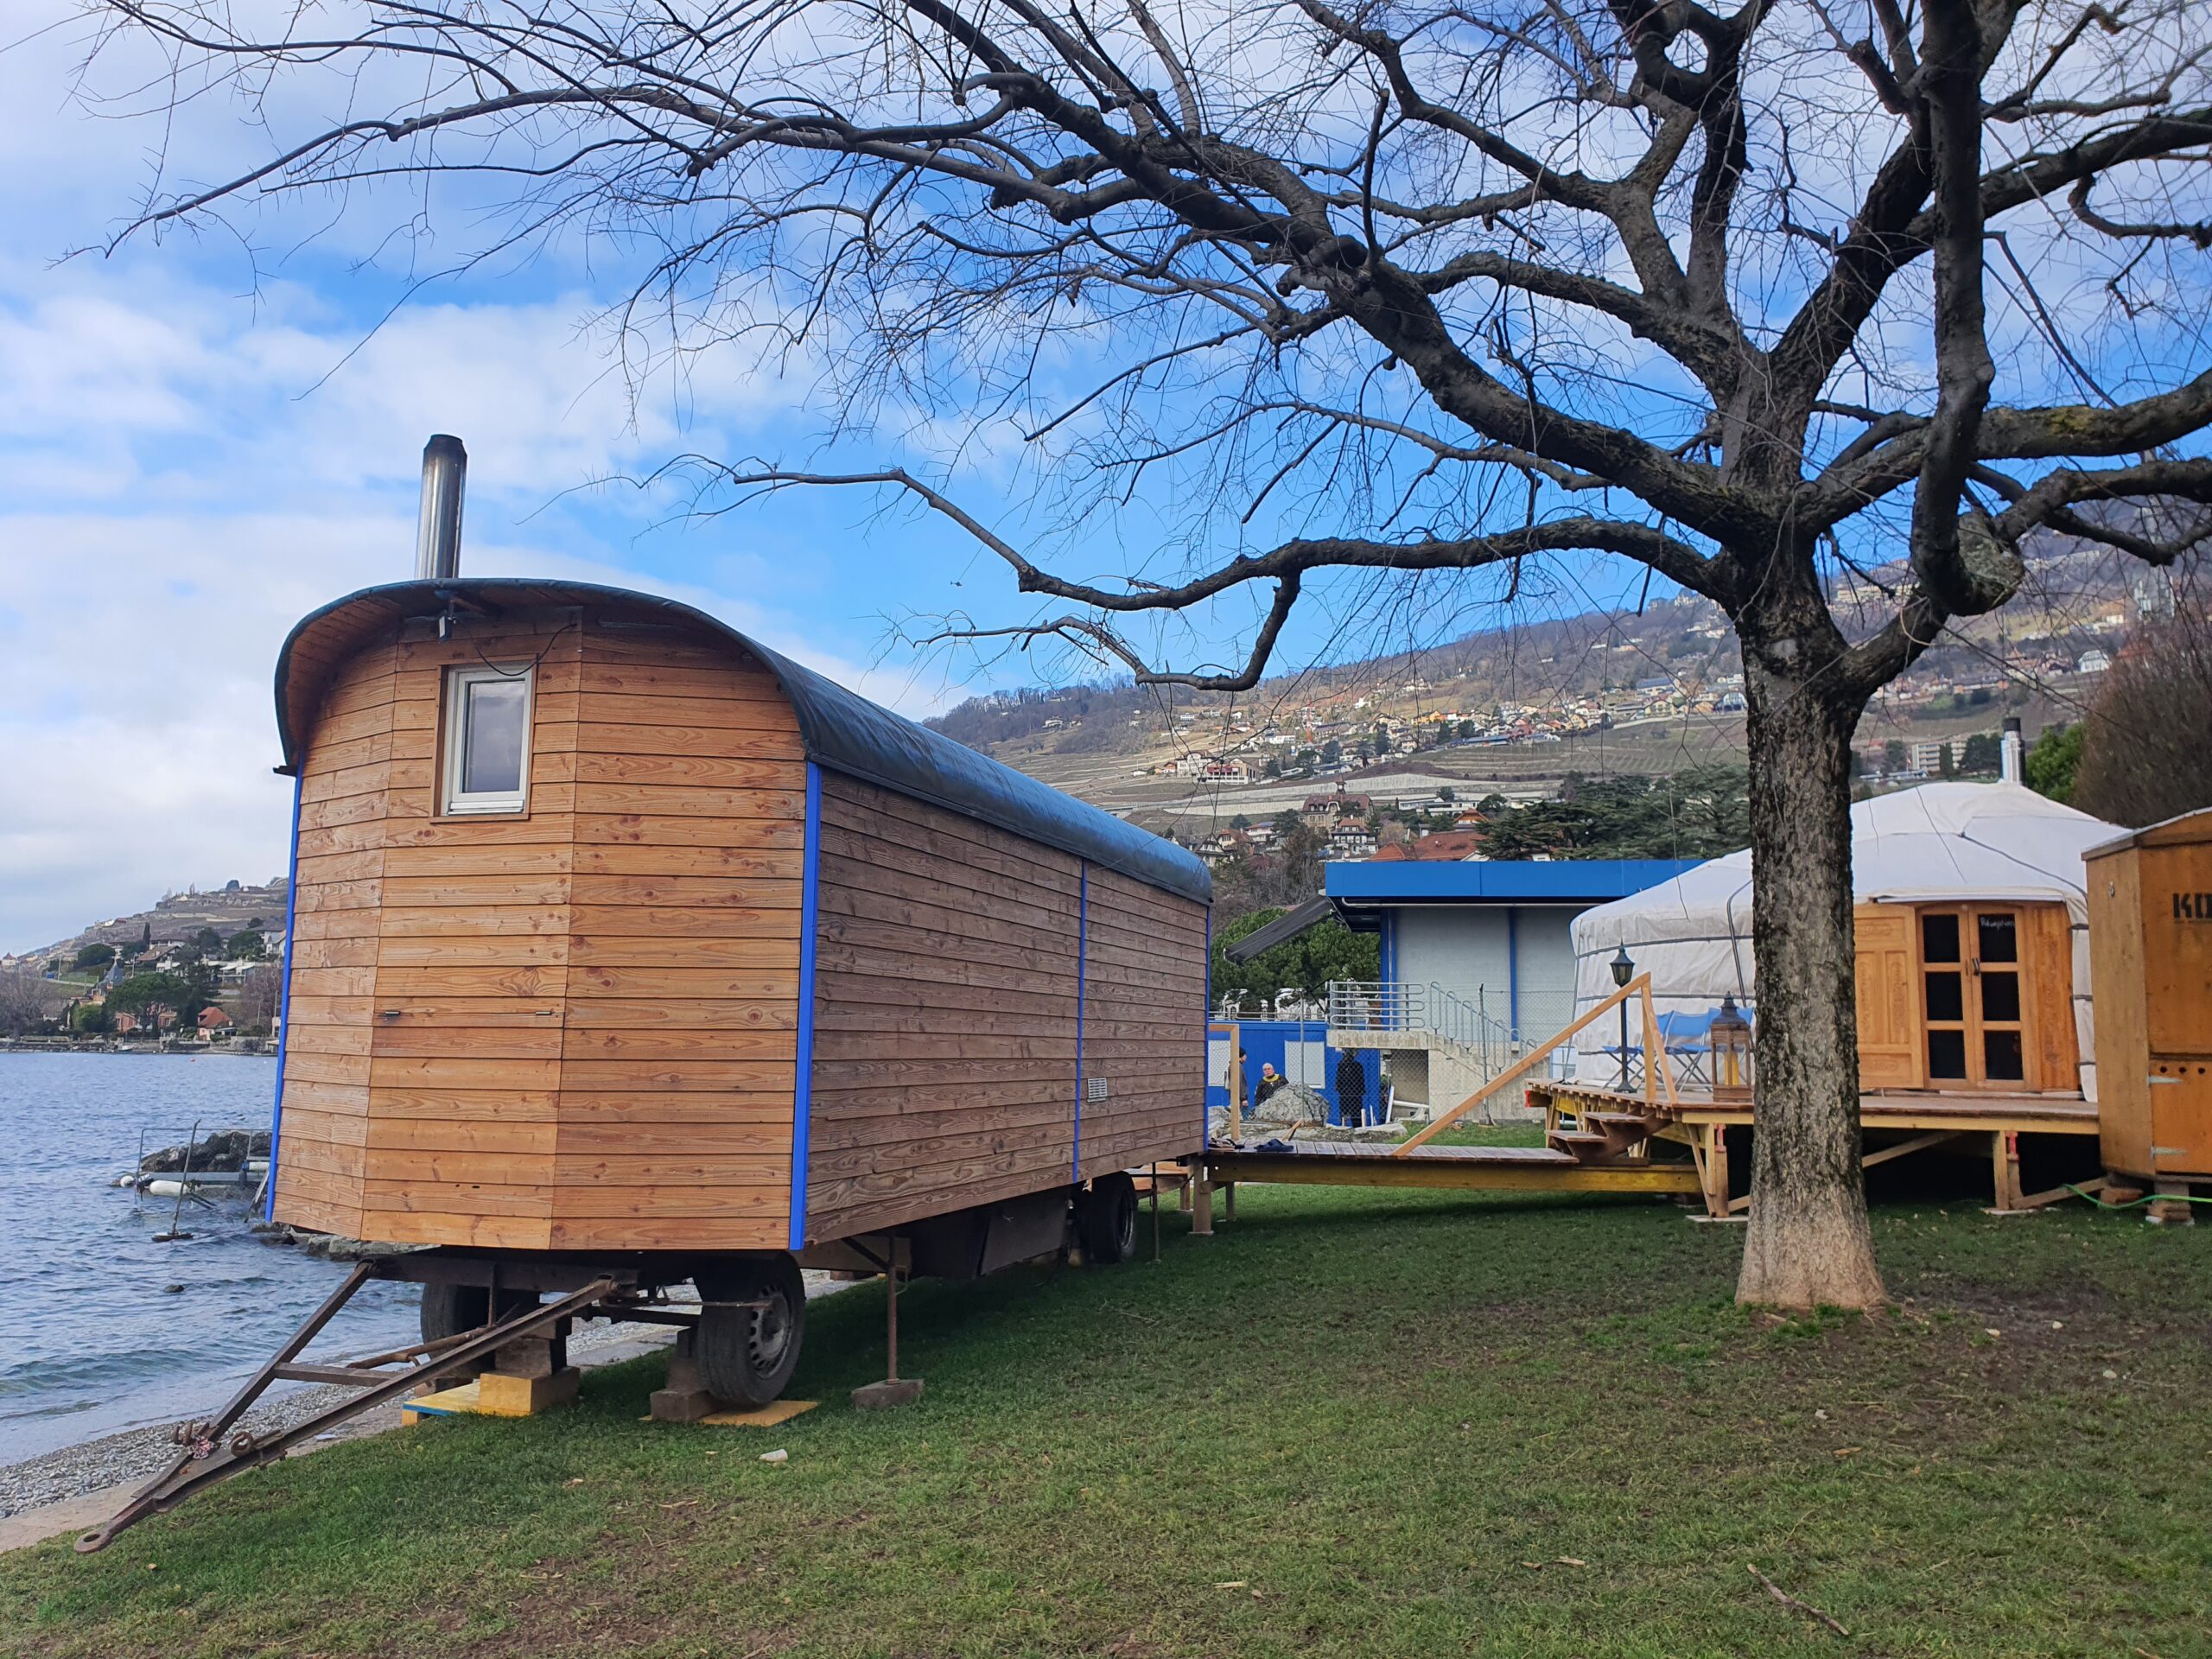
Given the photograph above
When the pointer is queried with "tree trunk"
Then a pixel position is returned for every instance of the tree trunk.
(1808, 1244)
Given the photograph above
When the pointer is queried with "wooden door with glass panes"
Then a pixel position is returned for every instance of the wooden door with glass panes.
(1973, 996)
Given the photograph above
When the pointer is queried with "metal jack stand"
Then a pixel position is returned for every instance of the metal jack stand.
(207, 1457)
(894, 1390)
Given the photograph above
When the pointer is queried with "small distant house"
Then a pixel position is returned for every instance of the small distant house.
(211, 1019)
(1322, 811)
(2093, 662)
(1351, 839)
(1454, 845)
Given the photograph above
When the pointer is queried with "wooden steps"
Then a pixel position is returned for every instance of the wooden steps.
(1607, 1136)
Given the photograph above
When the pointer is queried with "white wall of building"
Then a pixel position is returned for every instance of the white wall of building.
(1478, 951)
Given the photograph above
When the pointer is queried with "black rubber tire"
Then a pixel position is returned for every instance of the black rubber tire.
(449, 1310)
(1106, 1220)
(746, 1355)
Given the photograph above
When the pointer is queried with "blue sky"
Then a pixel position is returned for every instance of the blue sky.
(201, 441)
(196, 448)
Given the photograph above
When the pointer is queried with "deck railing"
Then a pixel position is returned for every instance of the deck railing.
(1485, 1041)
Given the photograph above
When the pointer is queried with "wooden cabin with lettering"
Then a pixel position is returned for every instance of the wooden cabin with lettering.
(2151, 936)
(617, 933)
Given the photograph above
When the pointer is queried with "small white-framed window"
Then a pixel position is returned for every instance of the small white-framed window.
(487, 738)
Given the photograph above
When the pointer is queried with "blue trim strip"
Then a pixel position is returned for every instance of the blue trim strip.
(1206, 1030)
(1082, 962)
(1513, 966)
(284, 998)
(803, 1086)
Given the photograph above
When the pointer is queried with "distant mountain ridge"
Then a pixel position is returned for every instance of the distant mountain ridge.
(2077, 600)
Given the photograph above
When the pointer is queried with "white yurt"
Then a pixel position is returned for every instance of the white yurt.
(1941, 844)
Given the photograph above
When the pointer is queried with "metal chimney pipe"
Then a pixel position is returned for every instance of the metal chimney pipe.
(445, 477)
(2009, 749)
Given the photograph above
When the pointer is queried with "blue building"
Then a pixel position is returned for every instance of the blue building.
(1477, 961)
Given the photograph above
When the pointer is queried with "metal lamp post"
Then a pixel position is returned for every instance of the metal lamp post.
(1623, 970)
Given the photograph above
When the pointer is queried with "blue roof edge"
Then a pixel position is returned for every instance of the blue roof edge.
(1498, 881)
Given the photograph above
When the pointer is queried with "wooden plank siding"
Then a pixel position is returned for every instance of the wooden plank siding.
(569, 1027)
(1143, 1024)
(944, 1013)
(580, 1026)
(336, 922)
(678, 1052)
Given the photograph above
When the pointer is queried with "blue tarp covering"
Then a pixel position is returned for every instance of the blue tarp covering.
(841, 729)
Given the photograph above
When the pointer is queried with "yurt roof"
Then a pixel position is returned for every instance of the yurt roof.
(1947, 841)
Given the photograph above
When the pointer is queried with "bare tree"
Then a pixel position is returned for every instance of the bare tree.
(2144, 753)
(1755, 299)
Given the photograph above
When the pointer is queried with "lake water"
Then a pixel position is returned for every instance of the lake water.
(102, 1329)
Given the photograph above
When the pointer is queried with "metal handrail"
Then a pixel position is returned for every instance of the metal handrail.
(1490, 1044)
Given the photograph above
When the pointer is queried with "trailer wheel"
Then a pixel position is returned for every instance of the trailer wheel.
(449, 1310)
(747, 1354)
(1106, 1219)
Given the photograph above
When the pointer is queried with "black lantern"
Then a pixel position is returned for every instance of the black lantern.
(1623, 970)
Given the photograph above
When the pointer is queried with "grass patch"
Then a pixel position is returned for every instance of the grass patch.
(1353, 1423)
(1491, 1134)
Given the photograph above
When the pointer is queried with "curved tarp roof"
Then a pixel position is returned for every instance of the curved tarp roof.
(1941, 842)
(841, 729)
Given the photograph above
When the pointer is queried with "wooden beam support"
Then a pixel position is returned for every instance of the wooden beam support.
(1520, 1068)
(1918, 1143)
(1314, 1169)
(2059, 1194)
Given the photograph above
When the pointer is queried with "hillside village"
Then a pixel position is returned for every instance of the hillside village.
(198, 966)
(1515, 713)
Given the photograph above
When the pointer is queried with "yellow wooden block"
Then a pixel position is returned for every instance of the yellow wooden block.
(446, 1402)
(494, 1395)
(767, 1416)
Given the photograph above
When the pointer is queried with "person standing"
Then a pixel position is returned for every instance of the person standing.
(1352, 1090)
(1271, 1080)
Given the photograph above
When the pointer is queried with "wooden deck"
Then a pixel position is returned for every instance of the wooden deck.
(1918, 1110)
(1897, 1124)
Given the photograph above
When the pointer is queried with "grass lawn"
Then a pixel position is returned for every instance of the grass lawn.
(1353, 1423)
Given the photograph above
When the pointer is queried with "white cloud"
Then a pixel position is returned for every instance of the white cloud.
(177, 503)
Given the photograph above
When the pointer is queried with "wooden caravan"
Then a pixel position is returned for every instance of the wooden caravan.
(2150, 939)
(615, 932)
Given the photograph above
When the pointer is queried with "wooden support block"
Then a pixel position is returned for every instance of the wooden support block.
(494, 1396)
(681, 1405)
(531, 1357)
(1229, 1200)
(2171, 1207)
(881, 1396)
(501, 1395)
(1202, 1207)
(767, 1416)
(1715, 1171)
(2005, 1167)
